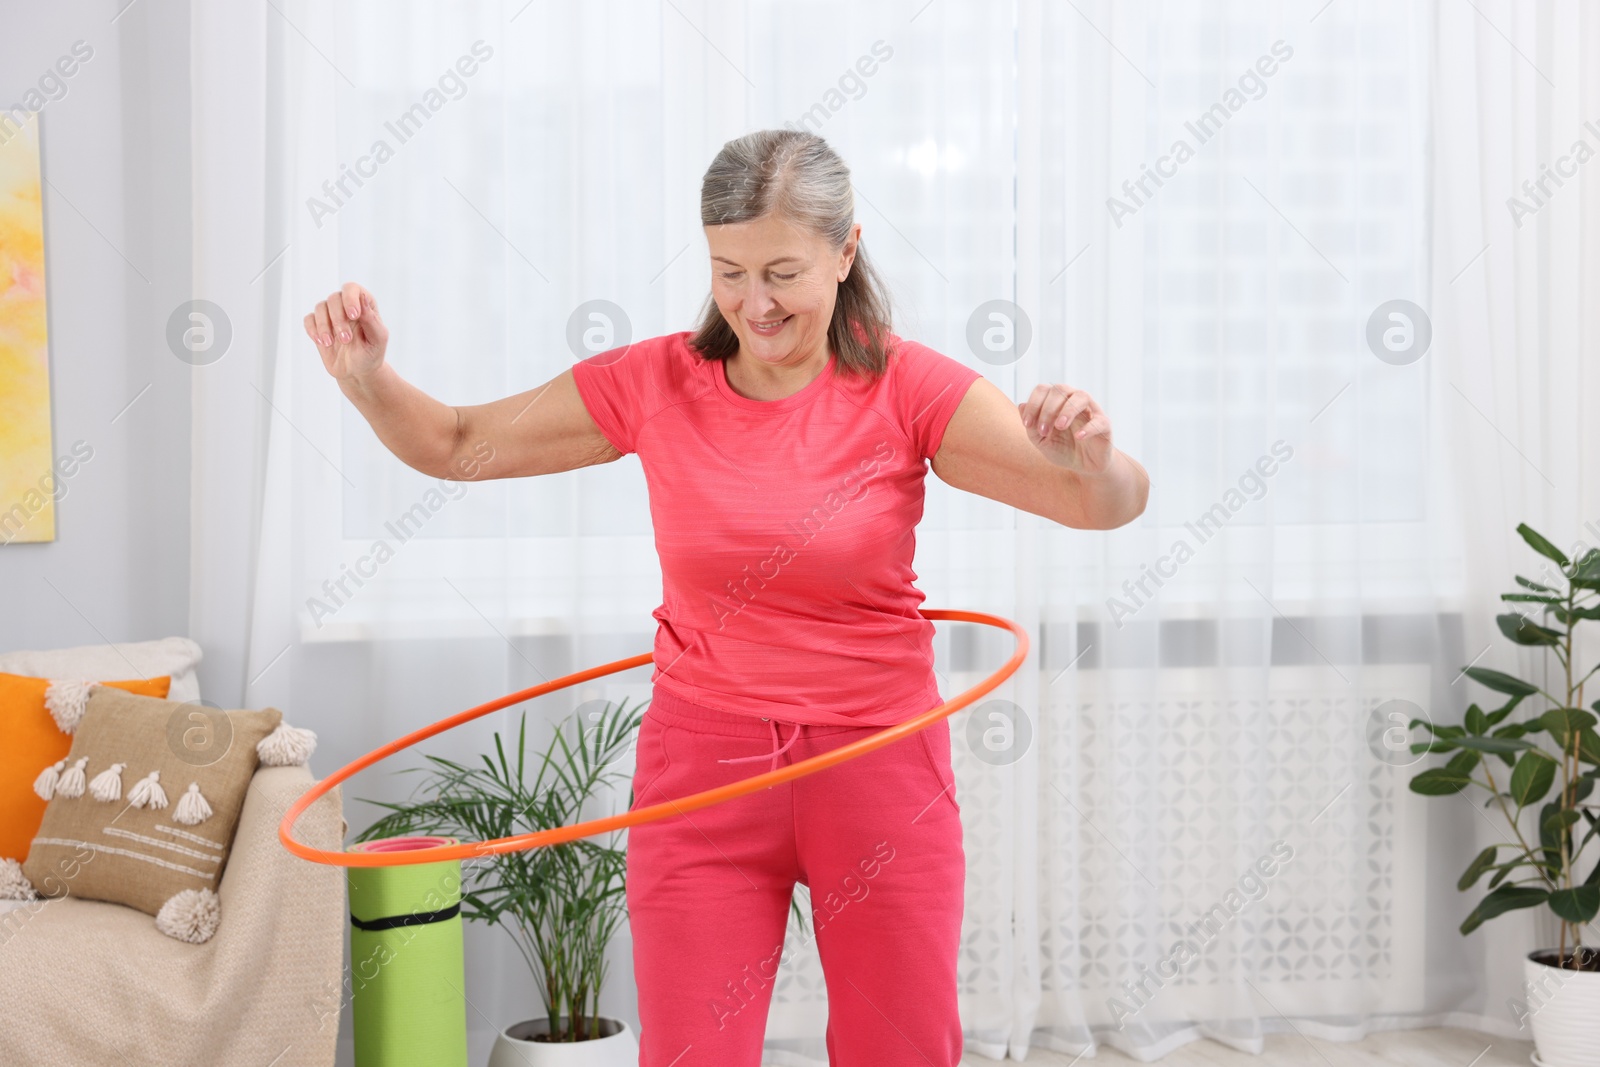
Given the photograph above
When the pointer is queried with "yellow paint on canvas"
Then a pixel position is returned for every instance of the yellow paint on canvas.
(27, 506)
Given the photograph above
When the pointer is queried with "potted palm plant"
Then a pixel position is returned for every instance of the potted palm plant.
(560, 904)
(1551, 760)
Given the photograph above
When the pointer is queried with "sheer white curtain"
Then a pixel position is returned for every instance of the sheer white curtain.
(1518, 317)
(1219, 197)
(1195, 750)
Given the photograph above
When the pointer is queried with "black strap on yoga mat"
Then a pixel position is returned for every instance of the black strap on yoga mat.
(415, 919)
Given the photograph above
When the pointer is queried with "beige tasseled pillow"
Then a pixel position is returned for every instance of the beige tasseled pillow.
(144, 810)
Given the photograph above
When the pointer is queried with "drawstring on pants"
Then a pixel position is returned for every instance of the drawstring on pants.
(776, 751)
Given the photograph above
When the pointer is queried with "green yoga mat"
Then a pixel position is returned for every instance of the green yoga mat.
(408, 1000)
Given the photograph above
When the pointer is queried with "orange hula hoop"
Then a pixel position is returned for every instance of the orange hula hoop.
(705, 798)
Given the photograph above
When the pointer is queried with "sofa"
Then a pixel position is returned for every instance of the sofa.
(87, 983)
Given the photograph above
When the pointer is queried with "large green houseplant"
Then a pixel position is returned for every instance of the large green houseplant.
(1549, 757)
(561, 904)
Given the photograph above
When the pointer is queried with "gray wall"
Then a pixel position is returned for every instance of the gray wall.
(114, 147)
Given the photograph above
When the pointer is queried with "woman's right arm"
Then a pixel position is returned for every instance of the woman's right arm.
(541, 431)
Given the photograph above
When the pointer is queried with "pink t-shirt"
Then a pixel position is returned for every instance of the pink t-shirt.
(785, 528)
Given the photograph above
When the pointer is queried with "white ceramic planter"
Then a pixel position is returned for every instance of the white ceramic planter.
(515, 1047)
(1564, 1012)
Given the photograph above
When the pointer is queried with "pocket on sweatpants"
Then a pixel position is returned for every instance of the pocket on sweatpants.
(650, 760)
(935, 742)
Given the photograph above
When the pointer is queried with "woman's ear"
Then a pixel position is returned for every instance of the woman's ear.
(847, 255)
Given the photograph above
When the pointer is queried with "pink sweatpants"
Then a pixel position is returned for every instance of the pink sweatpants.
(877, 839)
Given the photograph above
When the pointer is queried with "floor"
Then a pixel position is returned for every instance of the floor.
(1410, 1048)
(1391, 1048)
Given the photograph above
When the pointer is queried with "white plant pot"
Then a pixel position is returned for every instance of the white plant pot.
(1564, 1012)
(515, 1047)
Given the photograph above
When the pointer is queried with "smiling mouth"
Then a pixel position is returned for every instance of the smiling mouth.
(770, 327)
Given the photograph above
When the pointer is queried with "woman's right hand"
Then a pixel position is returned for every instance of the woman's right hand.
(348, 333)
(468, 443)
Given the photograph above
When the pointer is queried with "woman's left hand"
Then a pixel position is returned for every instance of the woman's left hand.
(1068, 426)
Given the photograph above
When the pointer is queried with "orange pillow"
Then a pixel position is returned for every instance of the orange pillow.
(30, 741)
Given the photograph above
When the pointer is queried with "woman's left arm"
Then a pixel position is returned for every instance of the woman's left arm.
(1051, 456)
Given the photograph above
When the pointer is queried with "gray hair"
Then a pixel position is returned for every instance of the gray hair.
(797, 176)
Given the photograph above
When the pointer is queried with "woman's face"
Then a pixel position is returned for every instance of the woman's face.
(775, 284)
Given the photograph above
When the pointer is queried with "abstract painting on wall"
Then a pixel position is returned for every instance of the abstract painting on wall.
(27, 479)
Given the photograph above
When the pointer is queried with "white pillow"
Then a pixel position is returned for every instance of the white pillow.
(174, 656)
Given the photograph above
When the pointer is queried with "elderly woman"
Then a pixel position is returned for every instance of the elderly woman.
(784, 442)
